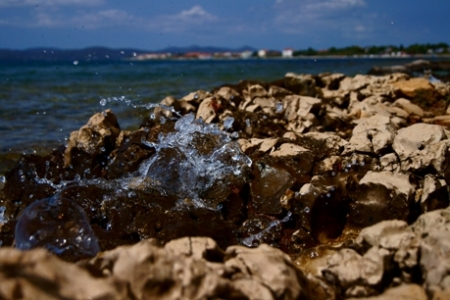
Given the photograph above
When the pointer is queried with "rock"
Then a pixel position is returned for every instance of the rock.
(434, 194)
(356, 83)
(386, 234)
(439, 120)
(300, 84)
(269, 266)
(197, 247)
(37, 275)
(373, 135)
(331, 81)
(196, 97)
(389, 162)
(97, 137)
(207, 110)
(257, 91)
(350, 268)
(278, 92)
(269, 184)
(433, 229)
(416, 137)
(264, 102)
(416, 87)
(409, 107)
(306, 104)
(402, 292)
(381, 196)
(435, 156)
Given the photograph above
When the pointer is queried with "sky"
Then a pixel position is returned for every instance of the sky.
(269, 24)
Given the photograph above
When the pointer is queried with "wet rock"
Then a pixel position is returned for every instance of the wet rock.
(207, 110)
(373, 135)
(96, 138)
(300, 84)
(381, 196)
(270, 182)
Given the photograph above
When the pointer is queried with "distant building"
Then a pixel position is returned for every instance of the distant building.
(287, 52)
(246, 54)
(262, 53)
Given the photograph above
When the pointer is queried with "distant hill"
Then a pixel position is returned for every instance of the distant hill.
(195, 48)
(97, 53)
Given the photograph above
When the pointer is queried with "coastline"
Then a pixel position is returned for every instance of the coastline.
(345, 171)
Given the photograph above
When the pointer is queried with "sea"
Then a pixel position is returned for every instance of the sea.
(41, 103)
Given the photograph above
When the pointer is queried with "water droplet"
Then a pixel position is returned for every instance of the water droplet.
(278, 107)
(2, 179)
(306, 210)
(195, 96)
(228, 123)
(75, 62)
(247, 122)
(54, 223)
(103, 102)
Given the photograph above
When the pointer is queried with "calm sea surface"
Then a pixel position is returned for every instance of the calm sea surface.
(42, 102)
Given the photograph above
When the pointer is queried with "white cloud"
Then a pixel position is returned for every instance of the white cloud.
(196, 12)
(186, 20)
(182, 21)
(308, 16)
(7, 3)
(104, 18)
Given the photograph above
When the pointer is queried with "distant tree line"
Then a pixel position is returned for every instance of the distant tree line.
(439, 48)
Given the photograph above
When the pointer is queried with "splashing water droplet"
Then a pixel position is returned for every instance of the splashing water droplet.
(278, 107)
(75, 62)
(103, 102)
(57, 224)
(228, 123)
(3, 220)
(194, 162)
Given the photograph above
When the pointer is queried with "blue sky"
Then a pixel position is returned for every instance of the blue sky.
(273, 24)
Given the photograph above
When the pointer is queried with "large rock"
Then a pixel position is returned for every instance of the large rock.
(97, 137)
(402, 292)
(301, 84)
(381, 196)
(373, 135)
(416, 137)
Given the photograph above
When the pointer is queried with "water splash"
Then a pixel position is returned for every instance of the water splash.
(261, 229)
(198, 162)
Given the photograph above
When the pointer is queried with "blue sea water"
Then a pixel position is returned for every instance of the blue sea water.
(42, 102)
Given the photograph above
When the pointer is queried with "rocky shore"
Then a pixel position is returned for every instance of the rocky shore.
(309, 187)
